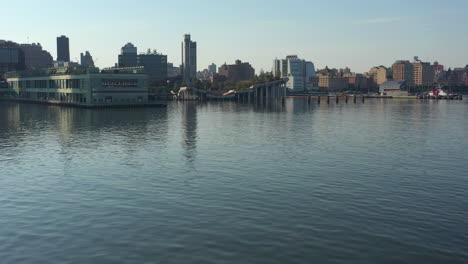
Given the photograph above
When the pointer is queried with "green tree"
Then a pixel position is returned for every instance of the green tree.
(277, 75)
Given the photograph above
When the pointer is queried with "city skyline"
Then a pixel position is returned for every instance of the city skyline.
(377, 34)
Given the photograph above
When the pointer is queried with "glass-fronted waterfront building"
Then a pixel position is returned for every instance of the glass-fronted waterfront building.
(78, 86)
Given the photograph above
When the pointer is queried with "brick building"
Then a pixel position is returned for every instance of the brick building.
(240, 71)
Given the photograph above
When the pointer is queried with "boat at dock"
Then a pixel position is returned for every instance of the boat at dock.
(440, 93)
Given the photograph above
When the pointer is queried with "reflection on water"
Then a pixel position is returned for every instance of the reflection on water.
(76, 129)
(189, 124)
(377, 182)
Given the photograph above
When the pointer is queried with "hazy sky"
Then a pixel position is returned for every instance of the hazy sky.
(358, 34)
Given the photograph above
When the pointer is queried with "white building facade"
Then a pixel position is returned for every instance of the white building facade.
(298, 71)
(212, 69)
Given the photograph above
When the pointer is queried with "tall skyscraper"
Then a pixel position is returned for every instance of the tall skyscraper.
(128, 56)
(63, 49)
(189, 59)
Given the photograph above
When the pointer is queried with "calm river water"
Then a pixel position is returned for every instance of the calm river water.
(381, 182)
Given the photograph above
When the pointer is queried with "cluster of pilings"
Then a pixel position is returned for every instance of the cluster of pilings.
(328, 98)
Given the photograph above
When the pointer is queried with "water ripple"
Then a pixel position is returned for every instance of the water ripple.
(380, 182)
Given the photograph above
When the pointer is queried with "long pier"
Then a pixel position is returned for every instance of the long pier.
(261, 92)
(274, 90)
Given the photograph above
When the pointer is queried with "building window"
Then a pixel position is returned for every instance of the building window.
(111, 83)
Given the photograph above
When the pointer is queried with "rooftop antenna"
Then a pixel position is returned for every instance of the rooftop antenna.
(28, 40)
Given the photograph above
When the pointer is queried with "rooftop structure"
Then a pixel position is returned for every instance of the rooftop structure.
(129, 48)
(328, 71)
(128, 56)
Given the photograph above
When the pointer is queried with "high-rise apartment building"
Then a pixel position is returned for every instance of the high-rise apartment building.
(299, 72)
(403, 71)
(128, 56)
(357, 81)
(423, 73)
(63, 49)
(35, 57)
(11, 57)
(380, 74)
(155, 66)
(189, 59)
(332, 83)
(240, 71)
